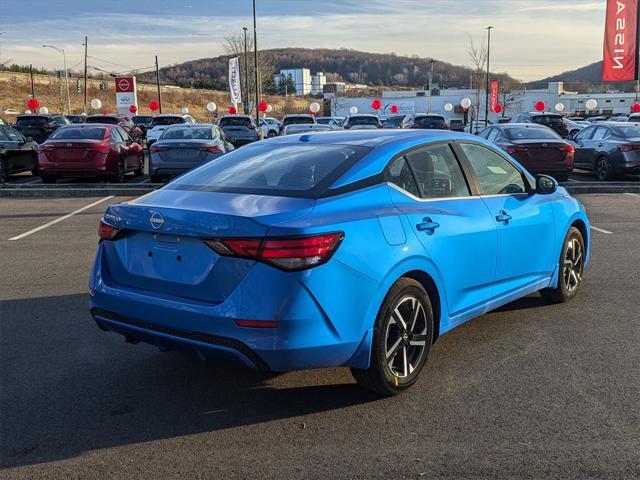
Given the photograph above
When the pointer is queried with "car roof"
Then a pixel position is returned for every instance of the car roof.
(237, 115)
(89, 125)
(165, 115)
(518, 124)
(299, 115)
(190, 125)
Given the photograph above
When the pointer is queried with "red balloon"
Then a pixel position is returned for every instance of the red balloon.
(33, 104)
(395, 109)
(635, 107)
(133, 109)
(233, 110)
(540, 106)
(262, 106)
(497, 108)
(376, 104)
(105, 112)
(154, 105)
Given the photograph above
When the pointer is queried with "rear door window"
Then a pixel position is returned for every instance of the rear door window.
(400, 174)
(601, 133)
(437, 171)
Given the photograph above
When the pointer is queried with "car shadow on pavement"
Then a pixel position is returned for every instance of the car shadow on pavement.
(67, 388)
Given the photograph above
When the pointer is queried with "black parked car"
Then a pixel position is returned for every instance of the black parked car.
(394, 121)
(549, 119)
(142, 122)
(427, 121)
(40, 126)
(76, 118)
(17, 153)
(239, 129)
(609, 149)
(538, 148)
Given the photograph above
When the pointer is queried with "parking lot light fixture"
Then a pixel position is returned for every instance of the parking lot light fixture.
(66, 73)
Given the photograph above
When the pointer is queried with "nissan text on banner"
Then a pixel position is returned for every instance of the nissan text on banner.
(234, 81)
(620, 63)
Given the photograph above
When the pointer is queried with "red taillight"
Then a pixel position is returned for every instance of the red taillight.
(570, 152)
(100, 148)
(290, 254)
(107, 232)
(44, 148)
(511, 150)
(626, 147)
(155, 149)
(213, 149)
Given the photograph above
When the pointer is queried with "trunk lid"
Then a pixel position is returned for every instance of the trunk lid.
(73, 150)
(183, 151)
(540, 153)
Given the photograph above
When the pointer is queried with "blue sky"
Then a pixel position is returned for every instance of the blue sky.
(531, 39)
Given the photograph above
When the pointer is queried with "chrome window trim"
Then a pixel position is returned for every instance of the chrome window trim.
(413, 197)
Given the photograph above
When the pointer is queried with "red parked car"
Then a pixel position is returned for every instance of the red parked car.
(89, 150)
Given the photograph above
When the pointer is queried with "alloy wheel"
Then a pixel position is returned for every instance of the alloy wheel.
(573, 264)
(602, 169)
(406, 337)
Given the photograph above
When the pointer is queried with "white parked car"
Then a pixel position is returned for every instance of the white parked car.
(270, 127)
(161, 122)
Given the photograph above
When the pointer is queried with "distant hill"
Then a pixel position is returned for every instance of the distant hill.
(584, 80)
(373, 69)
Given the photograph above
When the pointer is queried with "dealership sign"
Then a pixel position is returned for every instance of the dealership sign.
(234, 81)
(494, 92)
(620, 62)
(126, 94)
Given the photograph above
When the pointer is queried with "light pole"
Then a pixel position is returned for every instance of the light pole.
(1, 33)
(255, 65)
(486, 92)
(66, 73)
(246, 74)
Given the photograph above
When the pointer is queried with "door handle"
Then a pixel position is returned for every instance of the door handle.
(503, 217)
(427, 225)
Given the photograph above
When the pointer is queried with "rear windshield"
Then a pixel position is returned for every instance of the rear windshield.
(292, 120)
(428, 121)
(324, 121)
(627, 131)
(95, 133)
(109, 120)
(280, 170)
(141, 119)
(524, 133)
(236, 122)
(363, 121)
(166, 121)
(548, 119)
(181, 133)
(31, 120)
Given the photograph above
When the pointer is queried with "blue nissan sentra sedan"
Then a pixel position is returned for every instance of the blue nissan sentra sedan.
(341, 248)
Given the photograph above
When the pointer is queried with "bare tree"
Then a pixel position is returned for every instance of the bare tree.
(234, 46)
(478, 56)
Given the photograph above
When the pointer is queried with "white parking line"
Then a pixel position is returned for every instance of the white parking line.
(64, 217)
(146, 180)
(632, 194)
(32, 181)
(601, 230)
(572, 180)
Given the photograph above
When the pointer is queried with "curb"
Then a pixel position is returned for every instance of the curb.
(575, 188)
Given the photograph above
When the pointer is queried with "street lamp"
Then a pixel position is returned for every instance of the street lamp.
(66, 73)
(1, 33)
(486, 92)
(246, 75)
(255, 65)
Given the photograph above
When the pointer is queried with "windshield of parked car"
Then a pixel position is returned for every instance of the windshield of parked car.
(103, 119)
(363, 121)
(266, 169)
(78, 133)
(31, 120)
(141, 119)
(550, 120)
(325, 121)
(428, 121)
(292, 120)
(183, 133)
(163, 121)
(236, 122)
(527, 133)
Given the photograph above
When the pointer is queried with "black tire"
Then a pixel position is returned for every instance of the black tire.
(568, 283)
(272, 134)
(49, 179)
(155, 179)
(138, 172)
(119, 176)
(4, 175)
(381, 376)
(603, 169)
(35, 172)
(561, 178)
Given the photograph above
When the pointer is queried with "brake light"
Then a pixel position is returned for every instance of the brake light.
(155, 149)
(213, 149)
(570, 152)
(626, 147)
(100, 148)
(46, 148)
(107, 232)
(511, 150)
(289, 254)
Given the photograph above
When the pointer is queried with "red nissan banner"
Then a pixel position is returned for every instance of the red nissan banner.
(125, 84)
(620, 63)
(494, 92)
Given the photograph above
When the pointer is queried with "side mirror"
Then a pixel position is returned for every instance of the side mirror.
(546, 185)
(29, 139)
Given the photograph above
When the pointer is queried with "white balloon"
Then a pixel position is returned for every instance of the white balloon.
(465, 103)
(353, 110)
(559, 107)
(591, 104)
(314, 107)
(44, 110)
(448, 107)
(96, 103)
(212, 107)
(27, 112)
(269, 108)
(184, 110)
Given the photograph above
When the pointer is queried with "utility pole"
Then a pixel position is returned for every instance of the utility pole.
(1, 64)
(158, 85)
(66, 73)
(430, 83)
(33, 91)
(486, 93)
(246, 75)
(85, 75)
(255, 65)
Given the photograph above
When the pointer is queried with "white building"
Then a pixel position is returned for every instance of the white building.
(318, 81)
(305, 83)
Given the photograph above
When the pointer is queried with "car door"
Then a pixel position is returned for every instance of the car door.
(123, 150)
(600, 143)
(8, 152)
(23, 152)
(583, 156)
(131, 153)
(454, 227)
(524, 220)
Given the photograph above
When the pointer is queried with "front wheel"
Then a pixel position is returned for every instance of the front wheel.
(138, 172)
(401, 340)
(119, 175)
(603, 170)
(571, 269)
(3, 172)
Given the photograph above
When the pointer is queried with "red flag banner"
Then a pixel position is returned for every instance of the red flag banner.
(621, 41)
(494, 92)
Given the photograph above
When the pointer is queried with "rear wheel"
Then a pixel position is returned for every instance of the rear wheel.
(271, 134)
(119, 176)
(3, 172)
(48, 179)
(571, 268)
(603, 169)
(138, 172)
(401, 340)
(155, 179)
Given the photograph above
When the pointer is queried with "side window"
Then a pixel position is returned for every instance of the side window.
(437, 171)
(115, 135)
(13, 135)
(400, 175)
(3, 135)
(494, 135)
(601, 133)
(485, 133)
(586, 134)
(495, 174)
(124, 134)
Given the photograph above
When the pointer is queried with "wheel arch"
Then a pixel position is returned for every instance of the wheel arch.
(424, 279)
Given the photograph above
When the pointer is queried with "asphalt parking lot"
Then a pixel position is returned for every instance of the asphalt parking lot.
(530, 391)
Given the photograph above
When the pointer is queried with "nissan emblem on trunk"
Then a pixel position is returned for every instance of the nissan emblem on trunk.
(156, 220)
